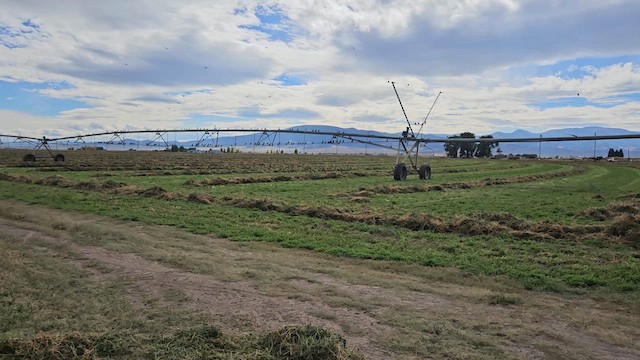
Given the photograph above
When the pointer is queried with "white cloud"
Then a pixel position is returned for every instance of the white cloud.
(148, 64)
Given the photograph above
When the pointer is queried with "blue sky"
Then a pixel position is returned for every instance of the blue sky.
(26, 97)
(274, 22)
(501, 64)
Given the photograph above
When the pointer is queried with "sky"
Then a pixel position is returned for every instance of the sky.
(78, 67)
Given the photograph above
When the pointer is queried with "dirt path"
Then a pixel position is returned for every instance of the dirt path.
(383, 309)
(230, 302)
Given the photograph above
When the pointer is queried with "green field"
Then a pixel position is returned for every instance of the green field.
(553, 228)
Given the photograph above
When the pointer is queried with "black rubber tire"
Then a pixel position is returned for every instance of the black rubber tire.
(425, 172)
(400, 172)
(58, 157)
(29, 158)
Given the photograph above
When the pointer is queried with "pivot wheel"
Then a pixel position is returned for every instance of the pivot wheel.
(29, 158)
(425, 172)
(400, 172)
(58, 157)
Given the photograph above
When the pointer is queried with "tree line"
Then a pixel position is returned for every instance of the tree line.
(615, 153)
(470, 149)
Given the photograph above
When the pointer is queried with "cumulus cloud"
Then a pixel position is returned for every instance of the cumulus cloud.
(148, 64)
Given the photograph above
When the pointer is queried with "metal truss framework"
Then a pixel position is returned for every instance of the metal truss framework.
(268, 137)
(409, 142)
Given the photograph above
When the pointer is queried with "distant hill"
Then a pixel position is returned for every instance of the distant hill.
(570, 148)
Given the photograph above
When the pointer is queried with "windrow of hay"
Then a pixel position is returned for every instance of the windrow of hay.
(626, 227)
(59, 181)
(9, 177)
(624, 216)
(629, 206)
(80, 185)
(145, 163)
(311, 176)
(306, 343)
(280, 178)
(480, 224)
(414, 188)
(289, 343)
(64, 346)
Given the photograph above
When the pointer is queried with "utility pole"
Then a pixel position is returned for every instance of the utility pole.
(540, 147)
(366, 145)
(594, 146)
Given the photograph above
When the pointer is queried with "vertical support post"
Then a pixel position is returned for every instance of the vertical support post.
(366, 145)
(540, 148)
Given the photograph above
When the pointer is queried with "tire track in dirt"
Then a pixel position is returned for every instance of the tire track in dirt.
(231, 303)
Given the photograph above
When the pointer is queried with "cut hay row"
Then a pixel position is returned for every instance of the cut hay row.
(206, 342)
(623, 227)
(630, 206)
(280, 178)
(484, 224)
(624, 216)
(313, 176)
(186, 163)
(59, 181)
(416, 188)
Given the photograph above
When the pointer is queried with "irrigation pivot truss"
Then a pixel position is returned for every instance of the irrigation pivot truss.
(408, 143)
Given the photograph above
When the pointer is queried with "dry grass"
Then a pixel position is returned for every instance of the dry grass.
(280, 178)
(289, 343)
(624, 217)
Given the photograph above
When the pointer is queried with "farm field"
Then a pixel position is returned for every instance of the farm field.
(488, 259)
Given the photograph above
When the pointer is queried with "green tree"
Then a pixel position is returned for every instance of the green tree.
(451, 148)
(485, 149)
(467, 149)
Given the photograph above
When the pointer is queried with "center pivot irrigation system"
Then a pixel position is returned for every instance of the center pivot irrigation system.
(408, 147)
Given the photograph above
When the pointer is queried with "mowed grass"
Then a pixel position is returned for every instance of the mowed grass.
(545, 265)
(559, 199)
